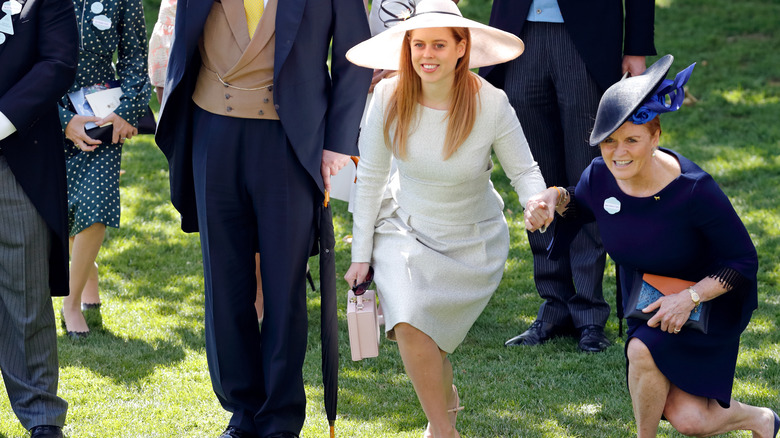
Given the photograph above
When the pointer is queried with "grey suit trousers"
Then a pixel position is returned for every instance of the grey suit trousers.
(28, 339)
(556, 100)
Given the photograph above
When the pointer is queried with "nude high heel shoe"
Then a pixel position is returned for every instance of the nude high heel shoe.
(453, 414)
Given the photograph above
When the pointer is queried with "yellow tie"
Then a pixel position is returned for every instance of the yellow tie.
(254, 10)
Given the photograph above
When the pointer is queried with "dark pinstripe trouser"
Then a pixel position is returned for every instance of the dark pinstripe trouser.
(28, 340)
(556, 100)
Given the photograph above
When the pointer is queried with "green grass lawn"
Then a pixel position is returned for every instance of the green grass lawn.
(144, 373)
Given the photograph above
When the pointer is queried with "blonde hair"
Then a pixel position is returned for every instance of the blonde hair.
(403, 103)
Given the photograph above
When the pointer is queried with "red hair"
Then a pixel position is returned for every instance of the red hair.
(408, 92)
(654, 126)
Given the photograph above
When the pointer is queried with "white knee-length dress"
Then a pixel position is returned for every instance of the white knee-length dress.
(435, 232)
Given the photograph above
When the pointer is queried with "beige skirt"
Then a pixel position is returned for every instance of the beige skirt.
(436, 278)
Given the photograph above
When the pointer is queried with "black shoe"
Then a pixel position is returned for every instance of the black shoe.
(234, 432)
(283, 435)
(71, 334)
(593, 339)
(90, 306)
(46, 431)
(538, 333)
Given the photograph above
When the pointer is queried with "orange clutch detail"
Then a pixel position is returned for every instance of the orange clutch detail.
(667, 285)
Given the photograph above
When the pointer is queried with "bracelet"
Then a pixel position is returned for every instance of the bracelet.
(558, 199)
(563, 196)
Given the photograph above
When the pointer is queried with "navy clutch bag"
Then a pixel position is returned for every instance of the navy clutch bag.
(649, 288)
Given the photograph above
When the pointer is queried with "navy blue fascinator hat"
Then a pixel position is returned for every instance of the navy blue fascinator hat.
(640, 98)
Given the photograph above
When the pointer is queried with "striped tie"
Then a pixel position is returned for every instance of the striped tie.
(254, 10)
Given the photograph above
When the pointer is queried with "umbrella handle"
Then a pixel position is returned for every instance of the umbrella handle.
(355, 160)
(327, 194)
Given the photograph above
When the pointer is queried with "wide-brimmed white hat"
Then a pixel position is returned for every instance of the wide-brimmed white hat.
(488, 45)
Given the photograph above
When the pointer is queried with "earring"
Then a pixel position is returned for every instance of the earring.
(653, 154)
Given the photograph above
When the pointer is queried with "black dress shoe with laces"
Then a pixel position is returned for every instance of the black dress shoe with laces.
(234, 432)
(540, 332)
(593, 339)
(46, 431)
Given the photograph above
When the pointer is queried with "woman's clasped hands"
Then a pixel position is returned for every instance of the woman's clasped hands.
(76, 131)
(122, 129)
(540, 210)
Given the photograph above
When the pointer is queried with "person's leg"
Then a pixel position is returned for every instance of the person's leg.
(254, 195)
(28, 339)
(578, 99)
(649, 388)
(228, 233)
(285, 200)
(530, 91)
(431, 374)
(698, 416)
(84, 251)
(91, 292)
(653, 395)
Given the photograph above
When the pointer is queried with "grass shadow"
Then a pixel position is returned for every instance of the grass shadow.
(123, 360)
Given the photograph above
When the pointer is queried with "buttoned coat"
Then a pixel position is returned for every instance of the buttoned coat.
(597, 29)
(318, 109)
(37, 65)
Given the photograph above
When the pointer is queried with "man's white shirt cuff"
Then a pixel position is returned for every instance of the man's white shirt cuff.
(6, 127)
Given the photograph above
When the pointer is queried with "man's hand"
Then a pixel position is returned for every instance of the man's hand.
(634, 65)
(332, 162)
(378, 76)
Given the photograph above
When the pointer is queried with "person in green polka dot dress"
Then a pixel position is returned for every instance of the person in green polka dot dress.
(106, 28)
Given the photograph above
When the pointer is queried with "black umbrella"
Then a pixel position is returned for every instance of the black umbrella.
(329, 324)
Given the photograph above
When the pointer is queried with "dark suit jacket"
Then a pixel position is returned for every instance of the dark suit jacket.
(37, 65)
(317, 110)
(595, 26)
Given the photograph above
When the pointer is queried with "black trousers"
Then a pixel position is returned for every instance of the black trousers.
(252, 195)
(556, 101)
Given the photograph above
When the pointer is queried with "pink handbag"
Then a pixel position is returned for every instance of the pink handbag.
(363, 325)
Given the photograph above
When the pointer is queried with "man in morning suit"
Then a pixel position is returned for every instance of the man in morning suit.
(38, 57)
(574, 51)
(253, 125)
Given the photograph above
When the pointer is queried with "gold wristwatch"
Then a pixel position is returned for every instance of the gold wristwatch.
(694, 297)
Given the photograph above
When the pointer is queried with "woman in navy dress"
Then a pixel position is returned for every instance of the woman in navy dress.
(659, 213)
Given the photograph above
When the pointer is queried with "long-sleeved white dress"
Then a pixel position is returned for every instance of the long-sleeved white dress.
(435, 233)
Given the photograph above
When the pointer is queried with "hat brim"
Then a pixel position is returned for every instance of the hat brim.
(489, 45)
(626, 96)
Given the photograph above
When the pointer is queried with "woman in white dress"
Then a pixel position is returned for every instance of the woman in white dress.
(435, 233)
